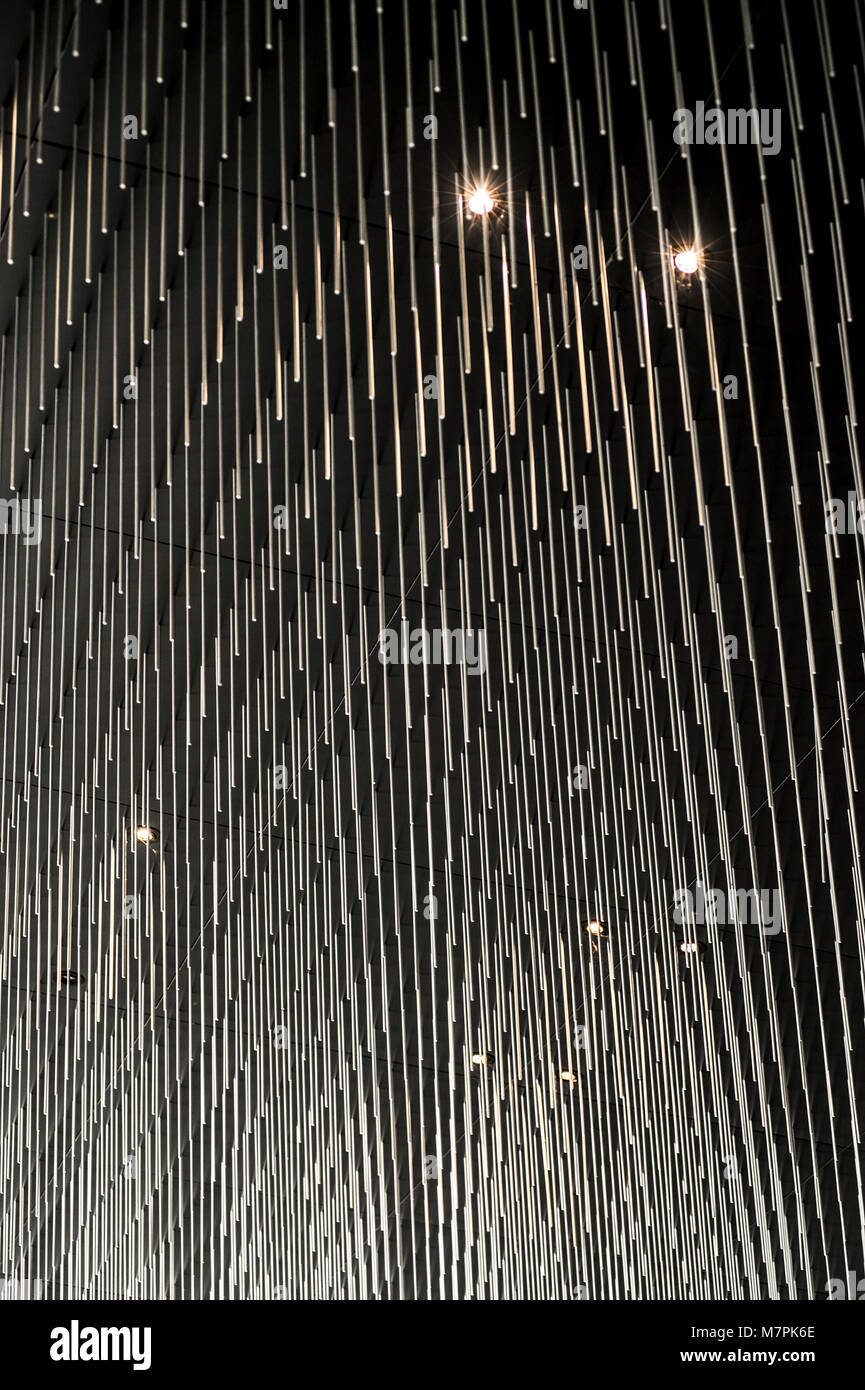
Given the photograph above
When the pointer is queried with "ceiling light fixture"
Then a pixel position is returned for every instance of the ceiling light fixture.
(687, 261)
(596, 928)
(146, 835)
(480, 202)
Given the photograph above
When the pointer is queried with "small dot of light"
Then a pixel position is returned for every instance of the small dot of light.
(480, 202)
(146, 835)
(687, 261)
(596, 929)
(569, 1076)
(481, 1059)
(689, 948)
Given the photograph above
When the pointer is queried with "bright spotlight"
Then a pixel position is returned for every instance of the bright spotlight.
(480, 202)
(687, 262)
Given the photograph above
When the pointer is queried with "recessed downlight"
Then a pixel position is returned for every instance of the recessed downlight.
(687, 260)
(692, 948)
(481, 201)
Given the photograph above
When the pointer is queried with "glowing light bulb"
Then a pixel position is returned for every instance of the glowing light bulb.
(480, 203)
(146, 835)
(687, 262)
(596, 929)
